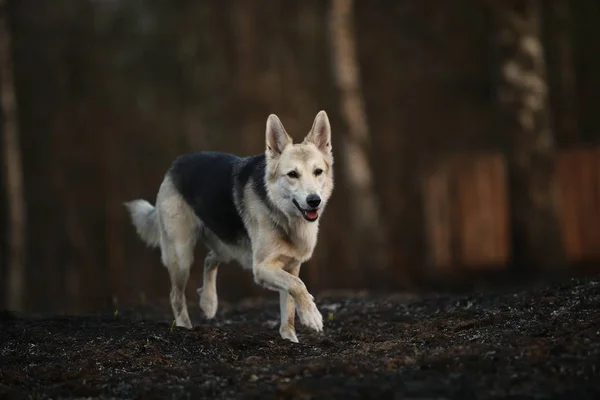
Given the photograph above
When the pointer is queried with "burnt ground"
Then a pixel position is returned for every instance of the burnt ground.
(536, 342)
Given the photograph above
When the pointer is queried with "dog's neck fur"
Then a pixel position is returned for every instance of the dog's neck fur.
(294, 230)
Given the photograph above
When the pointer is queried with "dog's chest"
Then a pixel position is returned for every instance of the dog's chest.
(298, 243)
(303, 241)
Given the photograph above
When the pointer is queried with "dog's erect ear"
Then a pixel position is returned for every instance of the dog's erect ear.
(320, 134)
(276, 136)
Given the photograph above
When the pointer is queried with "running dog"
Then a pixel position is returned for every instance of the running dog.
(261, 211)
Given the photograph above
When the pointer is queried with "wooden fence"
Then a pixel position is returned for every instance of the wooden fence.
(579, 176)
(467, 210)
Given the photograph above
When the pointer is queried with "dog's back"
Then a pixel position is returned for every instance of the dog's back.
(205, 180)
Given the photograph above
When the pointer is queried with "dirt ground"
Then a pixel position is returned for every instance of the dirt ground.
(536, 342)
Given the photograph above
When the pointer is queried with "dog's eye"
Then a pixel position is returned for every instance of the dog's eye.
(292, 174)
(318, 171)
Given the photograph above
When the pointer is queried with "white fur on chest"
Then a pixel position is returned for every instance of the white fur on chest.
(303, 236)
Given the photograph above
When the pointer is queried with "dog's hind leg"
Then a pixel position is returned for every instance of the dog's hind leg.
(208, 292)
(178, 262)
(178, 235)
(287, 308)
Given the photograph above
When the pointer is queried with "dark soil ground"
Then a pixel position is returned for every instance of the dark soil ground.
(537, 342)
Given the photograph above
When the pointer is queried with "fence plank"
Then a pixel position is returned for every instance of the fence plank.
(485, 221)
(578, 172)
(470, 229)
(438, 216)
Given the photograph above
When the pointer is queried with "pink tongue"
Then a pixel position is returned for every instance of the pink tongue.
(312, 214)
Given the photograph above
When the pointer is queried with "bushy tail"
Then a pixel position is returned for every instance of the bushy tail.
(144, 218)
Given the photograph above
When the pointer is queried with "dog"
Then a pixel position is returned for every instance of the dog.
(261, 211)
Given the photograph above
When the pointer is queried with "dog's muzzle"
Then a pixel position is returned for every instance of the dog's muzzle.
(310, 214)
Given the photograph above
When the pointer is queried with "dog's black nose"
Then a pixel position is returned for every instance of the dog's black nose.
(313, 200)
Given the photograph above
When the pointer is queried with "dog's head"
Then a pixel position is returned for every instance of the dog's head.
(299, 176)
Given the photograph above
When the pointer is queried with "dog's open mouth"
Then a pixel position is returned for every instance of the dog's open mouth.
(309, 215)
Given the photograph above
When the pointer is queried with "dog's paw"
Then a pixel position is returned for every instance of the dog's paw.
(289, 335)
(183, 322)
(208, 303)
(309, 314)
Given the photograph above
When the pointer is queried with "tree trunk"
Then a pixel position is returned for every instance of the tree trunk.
(523, 101)
(369, 231)
(13, 170)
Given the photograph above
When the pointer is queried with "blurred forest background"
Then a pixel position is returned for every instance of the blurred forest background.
(465, 134)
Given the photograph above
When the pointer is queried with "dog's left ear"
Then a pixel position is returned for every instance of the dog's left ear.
(320, 134)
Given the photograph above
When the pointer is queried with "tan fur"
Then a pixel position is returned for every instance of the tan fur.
(280, 240)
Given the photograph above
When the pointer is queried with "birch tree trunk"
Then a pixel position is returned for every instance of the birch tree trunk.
(369, 230)
(13, 170)
(523, 101)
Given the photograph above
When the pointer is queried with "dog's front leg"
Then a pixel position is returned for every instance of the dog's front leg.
(287, 308)
(271, 275)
